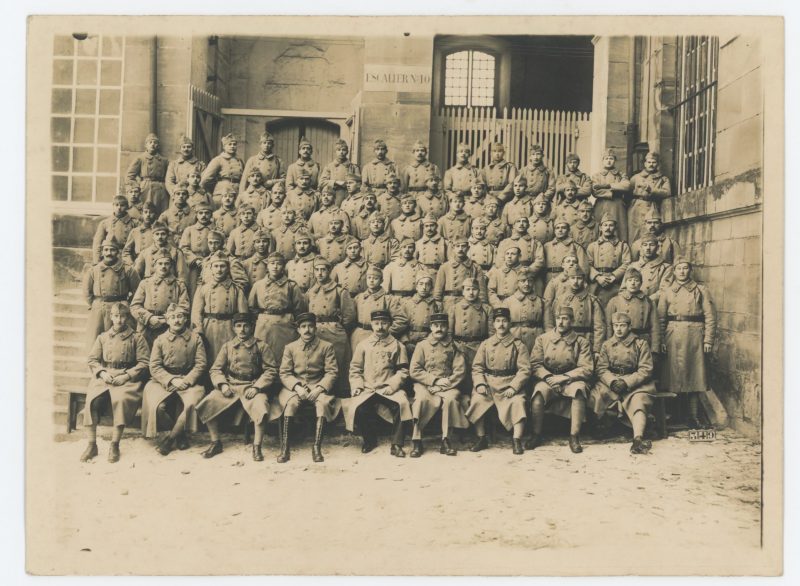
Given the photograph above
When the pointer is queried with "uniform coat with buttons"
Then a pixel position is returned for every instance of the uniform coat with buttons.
(450, 281)
(499, 179)
(519, 207)
(304, 202)
(668, 249)
(117, 353)
(656, 275)
(359, 226)
(458, 178)
(496, 230)
(610, 198)
(197, 196)
(336, 316)
(500, 363)
(194, 246)
(150, 172)
(140, 238)
(352, 204)
(294, 170)
(334, 248)
(256, 269)
(435, 204)
(431, 361)
(271, 167)
(320, 221)
(686, 367)
(152, 298)
(271, 217)
(225, 219)
(580, 179)
(223, 172)
(431, 251)
(352, 275)
(531, 251)
(174, 355)
(240, 364)
(585, 234)
(453, 226)
(241, 241)
(569, 354)
(116, 283)
(390, 204)
(144, 262)
(366, 302)
(475, 206)
(643, 313)
(418, 311)
(502, 282)
(541, 179)
(178, 171)
(470, 324)
(284, 238)
(338, 171)
(313, 364)
(628, 359)
(236, 268)
(541, 228)
(381, 249)
(415, 176)
(554, 253)
(374, 173)
(567, 211)
(482, 252)
(177, 219)
(277, 302)
(213, 307)
(404, 226)
(607, 257)
(648, 190)
(301, 270)
(256, 197)
(400, 276)
(119, 228)
(589, 319)
(527, 317)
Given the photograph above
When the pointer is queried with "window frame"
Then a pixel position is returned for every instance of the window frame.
(496, 55)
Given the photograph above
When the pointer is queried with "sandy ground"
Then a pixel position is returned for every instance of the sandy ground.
(603, 511)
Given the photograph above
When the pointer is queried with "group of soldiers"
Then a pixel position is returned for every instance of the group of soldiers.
(255, 288)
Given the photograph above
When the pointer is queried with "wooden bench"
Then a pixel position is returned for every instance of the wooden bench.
(661, 412)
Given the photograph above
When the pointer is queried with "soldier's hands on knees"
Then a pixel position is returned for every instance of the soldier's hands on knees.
(482, 390)
(226, 391)
(179, 384)
(509, 392)
(356, 392)
(120, 379)
(105, 377)
(707, 348)
(250, 392)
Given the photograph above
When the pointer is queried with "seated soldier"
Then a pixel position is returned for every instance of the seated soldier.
(378, 372)
(562, 364)
(431, 248)
(308, 372)
(527, 310)
(242, 372)
(332, 245)
(118, 363)
(418, 309)
(379, 247)
(300, 269)
(240, 239)
(437, 369)
(500, 371)
(351, 273)
(399, 276)
(177, 362)
(409, 223)
(625, 386)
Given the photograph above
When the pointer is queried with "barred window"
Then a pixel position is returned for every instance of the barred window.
(85, 117)
(696, 111)
(469, 79)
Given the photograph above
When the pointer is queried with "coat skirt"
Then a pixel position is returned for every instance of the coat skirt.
(685, 368)
(325, 405)
(216, 403)
(426, 404)
(605, 402)
(560, 403)
(276, 330)
(215, 333)
(509, 410)
(155, 394)
(125, 399)
(337, 336)
(350, 405)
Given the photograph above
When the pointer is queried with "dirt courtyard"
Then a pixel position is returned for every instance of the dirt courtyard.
(486, 513)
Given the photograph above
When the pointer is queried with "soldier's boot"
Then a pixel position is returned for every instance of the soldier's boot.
(258, 456)
(397, 451)
(481, 444)
(165, 446)
(182, 441)
(214, 449)
(638, 446)
(398, 436)
(446, 448)
(90, 452)
(533, 441)
(285, 452)
(516, 446)
(575, 444)
(113, 452)
(316, 449)
(416, 448)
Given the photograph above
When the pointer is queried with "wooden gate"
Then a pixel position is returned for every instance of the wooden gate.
(558, 133)
(205, 122)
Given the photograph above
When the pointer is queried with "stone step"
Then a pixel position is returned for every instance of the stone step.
(72, 319)
(69, 349)
(70, 364)
(72, 379)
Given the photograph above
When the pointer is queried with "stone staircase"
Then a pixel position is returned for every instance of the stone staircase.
(69, 350)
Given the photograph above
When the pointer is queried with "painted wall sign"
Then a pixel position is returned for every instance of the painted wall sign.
(397, 78)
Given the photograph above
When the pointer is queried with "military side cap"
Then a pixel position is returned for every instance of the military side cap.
(341, 142)
(216, 235)
(408, 197)
(304, 141)
(174, 308)
(569, 183)
(498, 146)
(182, 186)
(652, 155)
(423, 275)
(377, 215)
(678, 260)
(585, 205)
(520, 179)
(353, 177)
(540, 198)
(526, 273)
(575, 272)
(246, 207)
(374, 270)
(517, 248)
(522, 219)
(537, 148)
(110, 240)
(565, 310)
(132, 185)
(159, 227)
(633, 273)
(429, 219)
(573, 157)
(303, 234)
(149, 205)
(327, 188)
(461, 240)
(321, 261)
(619, 317)
(202, 206)
(440, 318)
(229, 138)
(608, 218)
(276, 256)
(185, 140)
(480, 221)
(653, 214)
(569, 255)
(478, 181)
(242, 317)
(379, 143)
(256, 171)
(151, 136)
(279, 186)
(120, 199)
(262, 235)
(219, 256)
(419, 145)
(609, 153)
(470, 282)
(490, 199)
(501, 312)
(162, 253)
(266, 136)
(306, 317)
(561, 220)
(649, 238)
(406, 242)
(380, 314)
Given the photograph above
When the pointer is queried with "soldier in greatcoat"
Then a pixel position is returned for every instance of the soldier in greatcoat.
(336, 316)
(586, 230)
(271, 217)
(456, 223)
(304, 199)
(521, 203)
(409, 223)
(581, 180)
(378, 373)
(437, 369)
(224, 172)
(668, 249)
(269, 164)
(161, 239)
(334, 174)
(216, 242)
(502, 281)
(527, 309)
(649, 188)
(255, 195)
(541, 224)
(432, 247)
(242, 238)
(226, 216)
(256, 265)
(458, 178)
(241, 374)
(688, 325)
(300, 269)
(470, 320)
(304, 164)
(133, 193)
(197, 194)
(361, 219)
(500, 371)
(656, 272)
(118, 363)
(399, 276)
(276, 299)
(641, 309)
(556, 287)
(433, 201)
(496, 228)
(179, 215)
(611, 188)
(588, 318)
(389, 199)
(609, 258)
(415, 176)
(481, 251)
(531, 251)
(333, 244)
(562, 367)
(150, 170)
(379, 247)
(475, 202)
(541, 179)
(119, 225)
(141, 236)
(354, 200)
(451, 275)
(215, 302)
(624, 387)
(177, 363)
(375, 298)
(499, 174)
(108, 281)
(178, 170)
(351, 273)
(154, 295)
(308, 372)
(320, 221)
(194, 245)
(374, 173)
(418, 309)
(555, 250)
(568, 208)
(284, 234)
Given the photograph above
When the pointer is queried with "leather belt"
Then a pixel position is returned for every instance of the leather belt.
(365, 326)
(604, 269)
(403, 293)
(501, 372)
(113, 298)
(158, 312)
(218, 315)
(469, 338)
(555, 269)
(241, 379)
(271, 311)
(119, 365)
(486, 267)
(621, 370)
(527, 324)
(431, 265)
(697, 318)
(562, 370)
(177, 371)
(581, 329)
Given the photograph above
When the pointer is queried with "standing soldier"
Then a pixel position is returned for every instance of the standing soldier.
(224, 171)
(481, 251)
(361, 219)
(215, 303)
(284, 234)
(107, 282)
(668, 249)
(688, 326)
(470, 320)
(154, 295)
(336, 315)
(610, 189)
(649, 188)
(499, 175)
(556, 287)
(625, 386)
(418, 309)
(118, 363)
(242, 371)
(256, 265)
(415, 176)
(119, 225)
(521, 203)
(585, 230)
(503, 280)
(194, 245)
(374, 173)
(179, 215)
(562, 364)
(458, 178)
(555, 250)
(409, 223)
(226, 216)
(270, 217)
(567, 208)
(496, 228)
(476, 201)
(354, 200)
(399, 276)
(351, 273)
(133, 193)
(178, 170)
(541, 226)
(527, 310)
(256, 195)
(374, 298)
(587, 313)
(541, 179)
(437, 369)
(333, 244)
(267, 162)
(433, 201)
(656, 272)
(308, 372)
(303, 198)
(431, 248)
(609, 258)
(197, 194)
(161, 239)
(216, 241)
(379, 247)
(641, 310)
(531, 250)
(334, 175)
(303, 163)
(320, 220)
(378, 372)
(276, 299)
(300, 269)
(150, 171)
(141, 236)
(177, 362)
(452, 273)
(500, 372)
(389, 199)
(455, 224)
(581, 180)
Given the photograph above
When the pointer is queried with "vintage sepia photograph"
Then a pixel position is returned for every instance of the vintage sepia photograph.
(404, 295)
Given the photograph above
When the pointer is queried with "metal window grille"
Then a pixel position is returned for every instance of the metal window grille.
(469, 79)
(696, 111)
(85, 123)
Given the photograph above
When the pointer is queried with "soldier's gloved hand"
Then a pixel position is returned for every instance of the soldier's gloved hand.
(226, 391)
(250, 392)
(615, 385)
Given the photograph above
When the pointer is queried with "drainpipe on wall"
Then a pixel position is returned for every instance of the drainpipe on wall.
(154, 89)
(631, 129)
